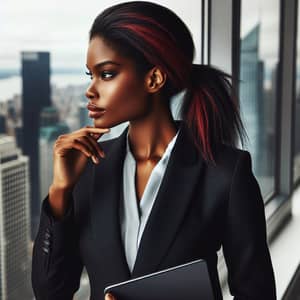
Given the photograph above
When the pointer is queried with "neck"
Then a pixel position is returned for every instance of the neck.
(149, 137)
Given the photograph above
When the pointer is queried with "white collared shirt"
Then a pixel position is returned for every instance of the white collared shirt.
(134, 214)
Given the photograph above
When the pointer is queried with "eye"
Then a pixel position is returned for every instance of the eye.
(89, 74)
(107, 74)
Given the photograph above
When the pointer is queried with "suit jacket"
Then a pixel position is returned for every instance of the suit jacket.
(199, 208)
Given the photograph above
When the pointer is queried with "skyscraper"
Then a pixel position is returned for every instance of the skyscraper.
(2, 123)
(36, 95)
(15, 251)
(84, 115)
(50, 129)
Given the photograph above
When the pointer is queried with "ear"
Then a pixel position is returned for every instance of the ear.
(155, 79)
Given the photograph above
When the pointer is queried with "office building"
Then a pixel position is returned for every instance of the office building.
(15, 266)
(36, 95)
(50, 129)
(84, 119)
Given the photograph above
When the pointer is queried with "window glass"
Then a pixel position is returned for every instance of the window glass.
(259, 58)
(297, 109)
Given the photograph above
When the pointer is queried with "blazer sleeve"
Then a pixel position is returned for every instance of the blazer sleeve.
(250, 271)
(56, 263)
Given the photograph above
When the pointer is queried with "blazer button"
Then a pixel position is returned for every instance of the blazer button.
(45, 250)
(47, 234)
(47, 243)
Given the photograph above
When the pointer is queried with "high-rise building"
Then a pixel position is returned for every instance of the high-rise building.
(84, 119)
(35, 96)
(50, 129)
(19, 135)
(15, 266)
(2, 124)
(251, 93)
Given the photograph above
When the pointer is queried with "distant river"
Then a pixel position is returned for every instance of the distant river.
(13, 85)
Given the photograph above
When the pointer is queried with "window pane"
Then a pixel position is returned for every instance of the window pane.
(258, 89)
(297, 110)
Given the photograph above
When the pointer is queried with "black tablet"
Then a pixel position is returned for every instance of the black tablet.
(187, 281)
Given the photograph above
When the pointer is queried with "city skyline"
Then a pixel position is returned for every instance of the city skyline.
(41, 26)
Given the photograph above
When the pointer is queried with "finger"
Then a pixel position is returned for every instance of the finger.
(84, 140)
(81, 147)
(85, 150)
(62, 147)
(96, 130)
(88, 126)
(95, 136)
(109, 296)
(92, 145)
(90, 130)
(96, 146)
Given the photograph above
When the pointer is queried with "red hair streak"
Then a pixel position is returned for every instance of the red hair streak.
(153, 35)
(159, 43)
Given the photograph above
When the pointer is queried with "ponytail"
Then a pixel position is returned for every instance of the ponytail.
(210, 109)
(146, 32)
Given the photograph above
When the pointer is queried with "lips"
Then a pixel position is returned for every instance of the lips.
(92, 107)
(96, 114)
(95, 111)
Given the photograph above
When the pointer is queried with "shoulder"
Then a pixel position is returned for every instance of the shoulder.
(231, 163)
(244, 191)
(229, 158)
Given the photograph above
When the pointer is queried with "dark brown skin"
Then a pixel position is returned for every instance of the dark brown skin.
(109, 296)
(125, 96)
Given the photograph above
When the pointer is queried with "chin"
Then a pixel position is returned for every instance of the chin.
(101, 123)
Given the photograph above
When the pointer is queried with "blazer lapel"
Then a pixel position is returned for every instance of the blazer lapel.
(105, 209)
(174, 195)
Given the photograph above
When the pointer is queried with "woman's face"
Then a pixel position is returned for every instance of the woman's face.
(115, 86)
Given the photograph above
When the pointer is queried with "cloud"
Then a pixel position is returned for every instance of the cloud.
(62, 27)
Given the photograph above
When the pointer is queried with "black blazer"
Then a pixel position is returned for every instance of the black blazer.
(198, 209)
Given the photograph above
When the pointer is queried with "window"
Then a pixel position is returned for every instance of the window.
(297, 109)
(259, 57)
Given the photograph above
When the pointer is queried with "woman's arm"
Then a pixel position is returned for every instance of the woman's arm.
(56, 263)
(250, 272)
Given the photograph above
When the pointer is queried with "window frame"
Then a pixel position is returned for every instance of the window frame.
(227, 33)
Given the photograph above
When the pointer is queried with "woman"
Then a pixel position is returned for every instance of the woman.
(164, 192)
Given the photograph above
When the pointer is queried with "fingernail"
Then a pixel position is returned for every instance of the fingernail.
(95, 159)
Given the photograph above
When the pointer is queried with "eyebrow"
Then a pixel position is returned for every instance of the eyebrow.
(101, 64)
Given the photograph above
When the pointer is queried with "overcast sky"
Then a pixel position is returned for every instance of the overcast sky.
(61, 27)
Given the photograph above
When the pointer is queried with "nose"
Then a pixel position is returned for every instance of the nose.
(91, 93)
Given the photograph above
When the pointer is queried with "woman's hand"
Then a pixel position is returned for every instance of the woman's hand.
(109, 296)
(71, 152)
